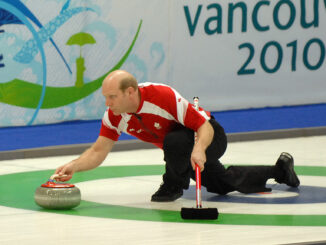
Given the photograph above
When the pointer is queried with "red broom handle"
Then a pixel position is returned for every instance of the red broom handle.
(197, 168)
(198, 187)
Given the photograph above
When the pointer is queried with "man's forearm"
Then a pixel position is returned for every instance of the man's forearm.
(93, 156)
(88, 160)
(205, 136)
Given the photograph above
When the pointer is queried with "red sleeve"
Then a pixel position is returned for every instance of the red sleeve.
(109, 133)
(193, 118)
(109, 127)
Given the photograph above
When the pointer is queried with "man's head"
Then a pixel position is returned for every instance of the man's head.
(120, 90)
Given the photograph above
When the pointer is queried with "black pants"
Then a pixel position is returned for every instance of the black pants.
(178, 145)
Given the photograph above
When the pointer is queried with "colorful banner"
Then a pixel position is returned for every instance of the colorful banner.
(232, 54)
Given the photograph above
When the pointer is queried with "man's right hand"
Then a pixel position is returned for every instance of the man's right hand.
(65, 172)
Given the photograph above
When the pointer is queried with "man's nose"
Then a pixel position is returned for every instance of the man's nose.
(107, 102)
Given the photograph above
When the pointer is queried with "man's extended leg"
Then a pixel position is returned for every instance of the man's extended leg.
(252, 179)
(245, 179)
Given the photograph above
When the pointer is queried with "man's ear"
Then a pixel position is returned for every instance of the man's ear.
(130, 90)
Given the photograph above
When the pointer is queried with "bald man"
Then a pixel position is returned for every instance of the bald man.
(158, 114)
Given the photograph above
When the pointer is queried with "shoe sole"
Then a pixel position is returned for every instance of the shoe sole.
(288, 167)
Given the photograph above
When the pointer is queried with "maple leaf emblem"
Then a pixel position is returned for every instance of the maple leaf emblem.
(157, 125)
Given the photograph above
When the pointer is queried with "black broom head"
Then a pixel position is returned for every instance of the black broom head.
(199, 213)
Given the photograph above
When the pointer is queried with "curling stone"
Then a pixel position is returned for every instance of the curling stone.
(57, 195)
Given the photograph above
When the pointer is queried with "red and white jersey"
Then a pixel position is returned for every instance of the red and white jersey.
(161, 109)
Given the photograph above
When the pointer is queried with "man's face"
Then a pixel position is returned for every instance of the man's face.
(117, 100)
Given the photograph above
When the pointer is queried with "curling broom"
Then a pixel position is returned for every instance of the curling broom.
(199, 212)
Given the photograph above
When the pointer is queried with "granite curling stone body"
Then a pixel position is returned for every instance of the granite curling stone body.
(57, 195)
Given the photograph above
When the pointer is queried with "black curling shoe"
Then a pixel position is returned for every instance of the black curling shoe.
(167, 193)
(285, 170)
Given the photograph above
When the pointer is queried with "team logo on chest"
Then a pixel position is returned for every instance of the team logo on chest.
(157, 125)
(137, 131)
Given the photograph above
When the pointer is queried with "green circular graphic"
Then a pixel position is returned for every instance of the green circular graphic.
(17, 191)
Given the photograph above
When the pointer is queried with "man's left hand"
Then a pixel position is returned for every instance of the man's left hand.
(198, 157)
